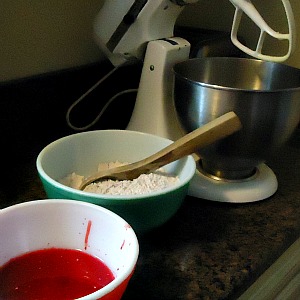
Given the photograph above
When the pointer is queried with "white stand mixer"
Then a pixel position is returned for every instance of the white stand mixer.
(149, 24)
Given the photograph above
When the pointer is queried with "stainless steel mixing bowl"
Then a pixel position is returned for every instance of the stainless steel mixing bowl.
(265, 96)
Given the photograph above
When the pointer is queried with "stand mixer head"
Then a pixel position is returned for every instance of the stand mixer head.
(123, 28)
(265, 96)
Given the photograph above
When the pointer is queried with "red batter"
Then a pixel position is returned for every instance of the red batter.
(53, 274)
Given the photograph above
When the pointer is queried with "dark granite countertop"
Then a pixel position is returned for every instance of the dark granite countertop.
(208, 250)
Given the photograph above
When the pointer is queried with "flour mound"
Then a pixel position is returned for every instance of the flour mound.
(145, 183)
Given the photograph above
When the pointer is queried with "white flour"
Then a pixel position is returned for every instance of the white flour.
(145, 183)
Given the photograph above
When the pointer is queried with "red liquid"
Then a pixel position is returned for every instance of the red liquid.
(53, 274)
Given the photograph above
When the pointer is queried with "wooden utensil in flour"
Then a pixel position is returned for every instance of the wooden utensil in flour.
(188, 144)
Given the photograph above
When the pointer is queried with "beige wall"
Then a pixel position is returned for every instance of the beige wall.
(44, 36)
(39, 36)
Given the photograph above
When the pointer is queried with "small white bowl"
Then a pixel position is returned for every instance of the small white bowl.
(43, 224)
(82, 152)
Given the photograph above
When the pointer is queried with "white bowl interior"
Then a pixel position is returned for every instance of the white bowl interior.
(63, 224)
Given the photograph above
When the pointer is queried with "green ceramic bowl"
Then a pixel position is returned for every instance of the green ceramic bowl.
(82, 152)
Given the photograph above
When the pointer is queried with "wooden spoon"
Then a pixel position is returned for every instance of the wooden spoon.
(188, 144)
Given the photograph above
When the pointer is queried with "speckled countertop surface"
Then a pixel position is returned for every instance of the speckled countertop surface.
(208, 250)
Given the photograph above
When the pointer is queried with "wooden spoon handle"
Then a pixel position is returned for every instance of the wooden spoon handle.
(188, 144)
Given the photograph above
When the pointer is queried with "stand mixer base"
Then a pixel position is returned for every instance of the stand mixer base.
(258, 188)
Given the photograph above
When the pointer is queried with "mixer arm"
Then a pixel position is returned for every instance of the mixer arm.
(245, 6)
(123, 28)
